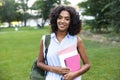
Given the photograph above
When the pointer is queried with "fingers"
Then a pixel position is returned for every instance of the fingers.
(61, 70)
(65, 77)
(68, 76)
(65, 70)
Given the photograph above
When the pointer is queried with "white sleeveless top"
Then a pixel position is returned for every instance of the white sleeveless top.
(52, 55)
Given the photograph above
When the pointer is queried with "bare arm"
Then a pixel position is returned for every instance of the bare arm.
(40, 63)
(81, 49)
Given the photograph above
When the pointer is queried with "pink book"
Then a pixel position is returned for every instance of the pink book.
(73, 62)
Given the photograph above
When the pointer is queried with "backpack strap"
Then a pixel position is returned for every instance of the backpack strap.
(47, 42)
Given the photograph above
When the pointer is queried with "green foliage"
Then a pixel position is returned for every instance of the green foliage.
(115, 13)
(19, 49)
(7, 11)
(93, 8)
(14, 11)
(105, 12)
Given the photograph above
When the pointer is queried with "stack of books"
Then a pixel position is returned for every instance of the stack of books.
(70, 58)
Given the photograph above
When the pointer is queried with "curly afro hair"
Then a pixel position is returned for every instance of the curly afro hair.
(75, 23)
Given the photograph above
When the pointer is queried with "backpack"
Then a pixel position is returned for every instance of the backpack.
(36, 72)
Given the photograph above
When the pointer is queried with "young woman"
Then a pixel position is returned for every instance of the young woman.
(65, 25)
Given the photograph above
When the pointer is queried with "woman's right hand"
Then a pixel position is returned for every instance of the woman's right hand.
(60, 70)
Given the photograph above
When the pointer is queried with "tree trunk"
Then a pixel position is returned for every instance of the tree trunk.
(9, 24)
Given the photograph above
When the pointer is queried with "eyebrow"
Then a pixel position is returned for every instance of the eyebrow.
(65, 16)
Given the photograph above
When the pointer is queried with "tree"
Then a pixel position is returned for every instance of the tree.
(94, 8)
(22, 9)
(114, 14)
(115, 10)
(7, 11)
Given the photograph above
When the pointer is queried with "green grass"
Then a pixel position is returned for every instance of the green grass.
(17, 52)
(19, 49)
(104, 59)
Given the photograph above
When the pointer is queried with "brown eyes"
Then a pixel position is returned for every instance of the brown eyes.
(66, 18)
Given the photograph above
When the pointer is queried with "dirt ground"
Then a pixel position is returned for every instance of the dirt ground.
(99, 37)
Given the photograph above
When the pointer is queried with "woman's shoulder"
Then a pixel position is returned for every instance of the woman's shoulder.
(79, 39)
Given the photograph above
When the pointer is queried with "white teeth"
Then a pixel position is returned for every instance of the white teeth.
(62, 25)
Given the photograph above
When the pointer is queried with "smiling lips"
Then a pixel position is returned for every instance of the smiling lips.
(62, 25)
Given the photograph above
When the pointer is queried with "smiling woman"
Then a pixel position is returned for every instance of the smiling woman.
(65, 27)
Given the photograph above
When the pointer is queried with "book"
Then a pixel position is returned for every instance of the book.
(67, 52)
(73, 63)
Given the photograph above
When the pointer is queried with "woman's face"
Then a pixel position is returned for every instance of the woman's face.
(63, 21)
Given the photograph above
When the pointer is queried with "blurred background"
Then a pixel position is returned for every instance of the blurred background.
(23, 22)
(99, 15)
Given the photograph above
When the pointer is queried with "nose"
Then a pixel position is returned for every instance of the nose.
(62, 20)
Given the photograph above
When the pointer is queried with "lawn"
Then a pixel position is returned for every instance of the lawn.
(104, 59)
(19, 49)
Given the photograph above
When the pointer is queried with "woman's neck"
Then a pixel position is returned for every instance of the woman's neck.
(60, 35)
